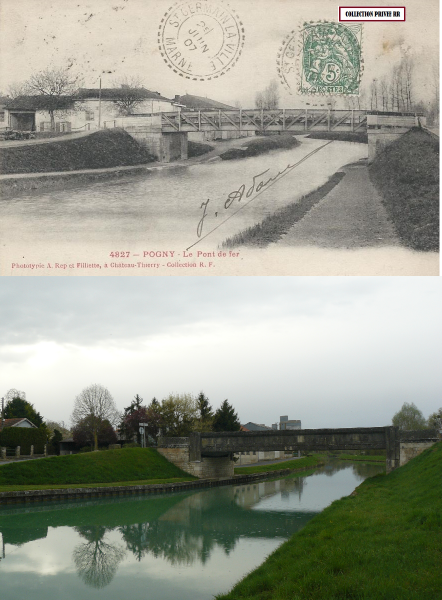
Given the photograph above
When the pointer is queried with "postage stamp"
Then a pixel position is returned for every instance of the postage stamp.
(201, 40)
(330, 60)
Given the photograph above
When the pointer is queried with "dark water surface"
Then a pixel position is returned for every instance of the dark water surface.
(187, 545)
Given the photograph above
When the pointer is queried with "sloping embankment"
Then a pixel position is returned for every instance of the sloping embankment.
(261, 145)
(406, 174)
(102, 149)
(384, 541)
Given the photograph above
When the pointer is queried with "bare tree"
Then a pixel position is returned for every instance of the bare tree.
(16, 89)
(95, 404)
(268, 98)
(55, 89)
(128, 93)
(259, 100)
(374, 95)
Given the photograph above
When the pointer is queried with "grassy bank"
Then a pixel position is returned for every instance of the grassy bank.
(382, 542)
(273, 227)
(130, 465)
(298, 463)
(406, 174)
(102, 149)
(360, 137)
(198, 149)
(361, 457)
(261, 145)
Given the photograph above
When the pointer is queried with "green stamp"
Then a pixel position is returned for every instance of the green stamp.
(330, 60)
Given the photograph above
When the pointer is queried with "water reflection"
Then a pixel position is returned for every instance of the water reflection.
(96, 560)
(182, 529)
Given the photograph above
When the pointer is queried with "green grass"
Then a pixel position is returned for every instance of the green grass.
(361, 457)
(273, 227)
(261, 145)
(383, 542)
(102, 149)
(130, 465)
(299, 463)
(406, 174)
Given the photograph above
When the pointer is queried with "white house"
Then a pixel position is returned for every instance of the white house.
(88, 109)
(18, 422)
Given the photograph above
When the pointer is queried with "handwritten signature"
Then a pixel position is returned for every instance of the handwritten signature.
(258, 184)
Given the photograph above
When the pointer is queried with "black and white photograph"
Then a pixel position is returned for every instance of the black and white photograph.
(208, 138)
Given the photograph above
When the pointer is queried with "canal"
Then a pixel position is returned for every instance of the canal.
(162, 208)
(187, 545)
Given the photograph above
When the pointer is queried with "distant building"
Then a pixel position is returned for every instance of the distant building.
(255, 427)
(18, 422)
(285, 423)
(200, 103)
(81, 110)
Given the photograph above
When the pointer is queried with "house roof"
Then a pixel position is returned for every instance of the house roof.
(15, 422)
(199, 102)
(113, 93)
(38, 102)
(255, 427)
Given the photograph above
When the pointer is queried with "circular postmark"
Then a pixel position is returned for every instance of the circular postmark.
(322, 58)
(200, 40)
(286, 61)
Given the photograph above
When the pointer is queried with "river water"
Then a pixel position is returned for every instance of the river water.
(187, 545)
(162, 208)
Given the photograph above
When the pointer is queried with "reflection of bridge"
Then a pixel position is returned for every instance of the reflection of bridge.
(207, 454)
(165, 133)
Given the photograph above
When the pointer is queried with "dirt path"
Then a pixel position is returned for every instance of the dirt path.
(350, 216)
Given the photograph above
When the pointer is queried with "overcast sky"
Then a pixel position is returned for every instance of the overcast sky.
(121, 36)
(333, 352)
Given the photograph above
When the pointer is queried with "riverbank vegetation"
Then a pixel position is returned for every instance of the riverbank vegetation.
(297, 463)
(383, 541)
(99, 150)
(360, 137)
(261, 145)
(273, 227)
(112, 467)
(406, 174)
(198, 149)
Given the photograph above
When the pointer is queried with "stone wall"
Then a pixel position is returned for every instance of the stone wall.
(176, 451)
(412, 443)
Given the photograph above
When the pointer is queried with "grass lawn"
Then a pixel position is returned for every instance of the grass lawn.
(261, 145)
(383, 542)
(101, 149)
(406, 174)
(298, 463)
(130, 466)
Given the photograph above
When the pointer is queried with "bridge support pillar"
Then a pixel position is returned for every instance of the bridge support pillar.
(392, 446)
(185, 453)
(166, 147)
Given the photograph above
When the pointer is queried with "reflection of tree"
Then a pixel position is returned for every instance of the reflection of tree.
(96, 560)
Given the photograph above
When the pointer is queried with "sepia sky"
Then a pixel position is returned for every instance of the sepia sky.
(121, 36)
(333, 352)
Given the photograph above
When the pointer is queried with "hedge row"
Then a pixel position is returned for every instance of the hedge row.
(12, 437)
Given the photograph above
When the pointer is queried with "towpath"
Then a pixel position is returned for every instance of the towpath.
(351, 215)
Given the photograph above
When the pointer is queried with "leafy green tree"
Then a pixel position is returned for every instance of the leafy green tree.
(226, 418)
(55, 441)
(90, 432)
(178, 415)
(205, 414)
(18, 407)
(409, 417)
(435, 420)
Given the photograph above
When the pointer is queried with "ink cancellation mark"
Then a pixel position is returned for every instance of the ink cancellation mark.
(331, 58)
(200, 40)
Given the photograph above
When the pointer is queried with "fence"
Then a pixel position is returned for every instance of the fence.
(8, 452)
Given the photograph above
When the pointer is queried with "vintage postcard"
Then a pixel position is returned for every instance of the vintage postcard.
(249, 137)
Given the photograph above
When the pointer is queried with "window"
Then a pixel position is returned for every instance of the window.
(2, 115)
(89, 115)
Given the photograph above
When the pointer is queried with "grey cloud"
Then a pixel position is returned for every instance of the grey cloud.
(91, 310)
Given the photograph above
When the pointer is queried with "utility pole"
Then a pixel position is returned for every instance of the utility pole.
(3, 409)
